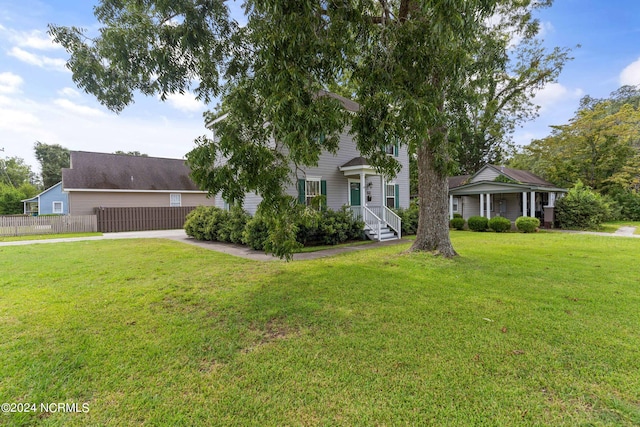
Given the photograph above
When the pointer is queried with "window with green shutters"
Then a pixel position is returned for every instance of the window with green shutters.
(310, 190)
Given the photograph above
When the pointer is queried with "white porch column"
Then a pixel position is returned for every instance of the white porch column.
(488, 205)
(450, 207)
(524, 204)
(532, 207)
(363, 190)
(481, 204)
(383, 199)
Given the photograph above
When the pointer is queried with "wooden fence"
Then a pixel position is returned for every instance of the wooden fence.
(112, 220)
(28, 225)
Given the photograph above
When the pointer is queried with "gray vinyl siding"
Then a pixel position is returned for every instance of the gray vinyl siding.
(470, 205)
(488, 174)
(338, 184)
(84, 202)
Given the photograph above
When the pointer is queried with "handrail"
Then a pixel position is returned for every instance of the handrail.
(372, 220)
(393, 221)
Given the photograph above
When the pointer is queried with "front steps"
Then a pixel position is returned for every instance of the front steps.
(385, 234)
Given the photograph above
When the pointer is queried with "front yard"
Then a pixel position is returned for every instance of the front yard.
(522, 329)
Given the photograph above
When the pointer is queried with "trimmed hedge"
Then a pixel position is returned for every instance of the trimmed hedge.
(237, 226)
(457, 223)
(527, 224)
(478, 223)
(499, 224)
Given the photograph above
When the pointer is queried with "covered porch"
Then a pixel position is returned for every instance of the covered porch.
(371, 198)
(508, 200)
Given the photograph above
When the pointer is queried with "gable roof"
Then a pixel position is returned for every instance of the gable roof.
(103, 171)
(35, 198)
(487, 176)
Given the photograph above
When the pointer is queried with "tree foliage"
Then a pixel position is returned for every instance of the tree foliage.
(11, 197)
(53, 158)
(15, 172)
(408, 63)
(600, 146)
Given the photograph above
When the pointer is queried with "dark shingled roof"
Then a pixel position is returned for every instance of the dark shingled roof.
(457, 181)
(524, 177)
(123, 172)
(356, 161)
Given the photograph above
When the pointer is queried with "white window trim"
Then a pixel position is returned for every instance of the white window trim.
(390, 150)
(386, 194)
(456, 204)
(172, 203)
(53, 207)
(307, 196)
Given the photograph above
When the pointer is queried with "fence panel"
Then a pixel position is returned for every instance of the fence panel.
(30, 225)
(112, 220)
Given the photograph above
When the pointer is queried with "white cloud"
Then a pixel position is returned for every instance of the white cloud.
(631, 74)
(185, 102)
(555, 93)
(36, 39)
(69, 92)
(74, 108)
(10, 83)
(41, 61)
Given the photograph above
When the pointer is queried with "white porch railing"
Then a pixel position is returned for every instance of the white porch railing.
(372, 217)
(393, 221)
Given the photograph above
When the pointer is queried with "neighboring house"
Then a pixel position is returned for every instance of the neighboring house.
(347, 179)
(101, 180)
(500, 191)
(51, 201)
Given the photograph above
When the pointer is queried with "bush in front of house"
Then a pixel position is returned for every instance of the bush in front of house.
(256, 233)
(409, 218)
(499, 224)
(194, 224)
(527, 224)
(478, 223)
(232, 228)
(237, 226)
(582, 209)
(457, 223)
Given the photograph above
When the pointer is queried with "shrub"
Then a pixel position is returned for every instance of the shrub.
(233, 227)
(499, 224)
(582, 208)
(409, 218)
(478, 223)
(527, 224)
(256, 233)
(457, 223)
(194, 224)
(628, 205)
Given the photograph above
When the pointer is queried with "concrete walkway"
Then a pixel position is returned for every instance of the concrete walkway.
(623, 231)
(227, 248)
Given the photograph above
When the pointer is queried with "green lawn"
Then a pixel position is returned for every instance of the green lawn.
(522, 329)
(46, 236)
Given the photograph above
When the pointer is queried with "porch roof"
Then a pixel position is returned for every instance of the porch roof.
(356, 166)
(494, 187)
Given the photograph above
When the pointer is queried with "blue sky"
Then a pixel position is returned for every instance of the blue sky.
(40, 102)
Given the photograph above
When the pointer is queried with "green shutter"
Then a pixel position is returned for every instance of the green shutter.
(301, 192)
(397, 196)
(323, 191)
(397, 149)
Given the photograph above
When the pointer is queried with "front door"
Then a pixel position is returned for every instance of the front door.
(354, 193)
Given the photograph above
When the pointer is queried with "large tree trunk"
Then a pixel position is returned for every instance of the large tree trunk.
(433, 190)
